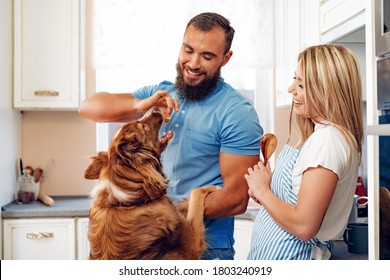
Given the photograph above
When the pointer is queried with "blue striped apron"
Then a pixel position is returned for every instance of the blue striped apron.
(269, 240)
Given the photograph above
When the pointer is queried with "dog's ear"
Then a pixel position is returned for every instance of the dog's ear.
(98, 162)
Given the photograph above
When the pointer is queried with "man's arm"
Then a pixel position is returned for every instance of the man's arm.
(232, 199)
(123, 107)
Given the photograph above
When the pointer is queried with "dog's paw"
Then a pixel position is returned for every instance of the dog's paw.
(209, 189)
(166, 138)
(202, 191)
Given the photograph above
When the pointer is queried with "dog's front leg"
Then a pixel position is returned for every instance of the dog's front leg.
(196, 204)
(182, 207)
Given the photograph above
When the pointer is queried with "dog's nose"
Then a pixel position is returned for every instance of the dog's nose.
(156, 112)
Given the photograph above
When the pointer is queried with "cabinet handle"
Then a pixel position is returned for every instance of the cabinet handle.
(46, 93)
(39, 235)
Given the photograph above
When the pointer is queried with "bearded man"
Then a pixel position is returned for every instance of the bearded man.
(216, 130)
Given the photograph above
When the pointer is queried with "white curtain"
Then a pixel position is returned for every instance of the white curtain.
(148, 33)
(137, 43)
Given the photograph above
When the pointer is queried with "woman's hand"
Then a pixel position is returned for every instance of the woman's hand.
(162, 100)
(258, 179)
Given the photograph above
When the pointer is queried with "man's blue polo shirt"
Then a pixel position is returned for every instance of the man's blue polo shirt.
(223, 122)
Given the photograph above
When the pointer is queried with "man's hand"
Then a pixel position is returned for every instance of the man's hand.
(162, 100)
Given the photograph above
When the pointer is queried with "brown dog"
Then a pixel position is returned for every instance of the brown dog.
(131, 217)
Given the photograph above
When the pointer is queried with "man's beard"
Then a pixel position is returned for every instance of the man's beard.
(190, 93)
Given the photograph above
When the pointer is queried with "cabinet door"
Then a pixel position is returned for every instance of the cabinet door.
(340, 17)
(287, 47)
(82, 238)
(46, 54)
(39, 239)
(242, 237)
(296, 24)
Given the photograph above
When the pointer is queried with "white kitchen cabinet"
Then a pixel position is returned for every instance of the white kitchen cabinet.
(297, 27)
(48, 54)
(242, 237)
(46, 239)
(340, 17)
(82, 238)
(39, 239)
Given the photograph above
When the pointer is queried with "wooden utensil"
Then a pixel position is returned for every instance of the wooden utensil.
(37, 174)
(268, 144)
(46, 199)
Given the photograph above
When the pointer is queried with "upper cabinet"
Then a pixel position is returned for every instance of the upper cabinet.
(339, 18)
(48, 54)
(297, 27)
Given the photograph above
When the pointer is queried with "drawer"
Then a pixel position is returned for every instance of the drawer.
(39, 239)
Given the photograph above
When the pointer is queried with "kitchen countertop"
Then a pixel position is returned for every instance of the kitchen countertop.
(68, 206)
(78, 206)
(65, 206)
(340, 252)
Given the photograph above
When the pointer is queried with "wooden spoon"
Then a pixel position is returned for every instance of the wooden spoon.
(37, 174)
(268, 144)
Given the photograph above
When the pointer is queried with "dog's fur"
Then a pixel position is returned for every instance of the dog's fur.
(131, 217)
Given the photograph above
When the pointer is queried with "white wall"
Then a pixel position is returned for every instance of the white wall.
(10, 120)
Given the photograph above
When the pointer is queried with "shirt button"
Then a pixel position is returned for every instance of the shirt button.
(183, 111)
(177, 125)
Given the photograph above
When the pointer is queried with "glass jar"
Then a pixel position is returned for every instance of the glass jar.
(27, 190)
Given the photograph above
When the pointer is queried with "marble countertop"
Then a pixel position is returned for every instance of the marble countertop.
(70, 206)
(65, 206)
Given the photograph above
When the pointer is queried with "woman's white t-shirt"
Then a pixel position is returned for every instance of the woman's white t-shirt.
(327, 147)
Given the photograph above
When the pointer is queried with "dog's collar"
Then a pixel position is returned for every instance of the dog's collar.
(138, 203)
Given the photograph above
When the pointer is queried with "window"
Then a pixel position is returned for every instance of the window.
(136, 43)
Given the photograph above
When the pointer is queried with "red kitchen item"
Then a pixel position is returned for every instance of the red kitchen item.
(360, 190)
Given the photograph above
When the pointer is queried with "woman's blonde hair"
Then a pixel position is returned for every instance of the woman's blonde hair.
(332, 81)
